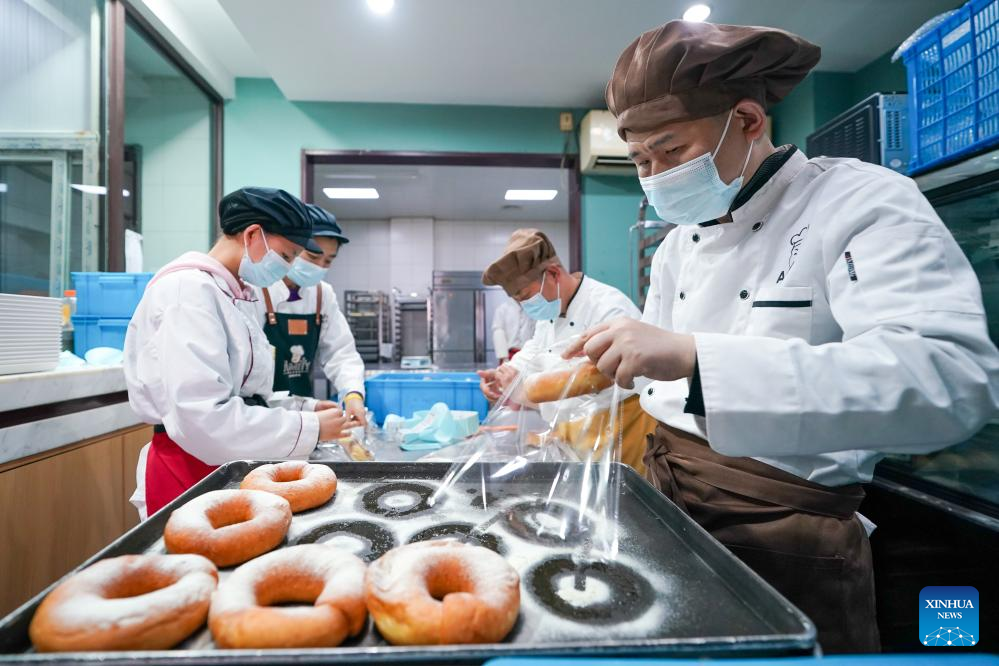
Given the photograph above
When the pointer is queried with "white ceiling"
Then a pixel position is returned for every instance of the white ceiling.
(443, 192)
(514, 52)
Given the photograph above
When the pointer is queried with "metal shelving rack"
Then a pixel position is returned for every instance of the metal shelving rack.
(366, 316)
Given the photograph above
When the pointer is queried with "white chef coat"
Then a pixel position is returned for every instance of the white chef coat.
(835, 318)
(516, 326)
(337, 353)
(593, 303)
(192, 349)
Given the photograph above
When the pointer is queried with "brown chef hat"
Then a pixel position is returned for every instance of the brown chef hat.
(527, 254)
(685, 70)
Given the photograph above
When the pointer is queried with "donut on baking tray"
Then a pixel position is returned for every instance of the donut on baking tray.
(304, 485)
(332, 580)
(442, 592)
(131, 602)
(228, 526)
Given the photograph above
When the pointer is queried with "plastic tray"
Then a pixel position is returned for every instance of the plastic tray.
(702, 602)
(403, 393)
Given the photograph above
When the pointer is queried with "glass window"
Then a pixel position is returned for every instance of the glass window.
(49, 114)
(971, 468)
(168, 155)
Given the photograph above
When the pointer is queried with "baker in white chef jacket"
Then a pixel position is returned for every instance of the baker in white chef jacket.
(512, 328)
(563, 305)
(805, 317)
(198, 365)
(303, 322)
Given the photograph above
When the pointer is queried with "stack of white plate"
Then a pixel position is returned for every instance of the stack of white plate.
(30, 333)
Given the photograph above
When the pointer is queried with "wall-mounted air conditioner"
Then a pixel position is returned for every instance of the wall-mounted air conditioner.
(601, 150)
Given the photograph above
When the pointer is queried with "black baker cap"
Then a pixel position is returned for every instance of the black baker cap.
(324, 224)
(275, 210)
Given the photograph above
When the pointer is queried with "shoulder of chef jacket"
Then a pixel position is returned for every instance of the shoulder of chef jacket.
(836, 313)
(192, 350)
(593, 303)
(337, 353)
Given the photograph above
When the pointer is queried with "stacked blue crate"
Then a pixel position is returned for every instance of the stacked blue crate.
(105, 303)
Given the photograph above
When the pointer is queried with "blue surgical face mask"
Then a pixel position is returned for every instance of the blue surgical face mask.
(539, 308)
(694, 192)
(305, 273)
(265, 272)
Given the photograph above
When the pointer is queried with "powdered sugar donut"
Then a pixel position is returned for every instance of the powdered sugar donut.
(228, 526)
(479, 594)
(303, 484)
(132, 602)
(330, 579)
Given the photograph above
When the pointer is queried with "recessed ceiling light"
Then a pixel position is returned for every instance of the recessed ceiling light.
(381, 6)
(350, 192)
(3, 187)
(530, 195)
(695, 13)
(90, 189)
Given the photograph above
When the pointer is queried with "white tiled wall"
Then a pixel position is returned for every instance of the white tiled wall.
(473, 245)
(403, 253)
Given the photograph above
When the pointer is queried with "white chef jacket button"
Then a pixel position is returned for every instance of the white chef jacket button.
(696, 238)
(743, 294)
(682, 295)
(757, 226)
(572, 323)
(650, 391)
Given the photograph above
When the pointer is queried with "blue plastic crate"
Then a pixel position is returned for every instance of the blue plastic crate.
(406, 392)
(90, 332)
(109, 294)
(953, 75)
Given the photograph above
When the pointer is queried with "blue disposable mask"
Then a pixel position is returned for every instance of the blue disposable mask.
(265, 272)
(539, 308)
(305, 273)
(694, 192)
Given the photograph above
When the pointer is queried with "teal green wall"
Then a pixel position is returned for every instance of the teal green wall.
(823, 95)
(609, 208)
(265, 134)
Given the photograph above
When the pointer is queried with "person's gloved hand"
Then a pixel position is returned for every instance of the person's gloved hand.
(489, 385)
(353, 407)
(506, 375)
(332, 423)
(626, 348)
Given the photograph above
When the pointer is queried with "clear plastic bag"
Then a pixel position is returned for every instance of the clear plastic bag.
(581, 436)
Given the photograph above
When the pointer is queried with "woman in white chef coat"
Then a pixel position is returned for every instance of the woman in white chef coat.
(304, 324)
(199, 367)
(563, 305)
(806, 316)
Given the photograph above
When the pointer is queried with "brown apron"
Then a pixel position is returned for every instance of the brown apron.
(801, 537)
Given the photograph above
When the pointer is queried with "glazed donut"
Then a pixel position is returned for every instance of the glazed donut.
(303, 484)
(330, 579)
(132, 602)
(228, 526)
(442, 592)
(551, 386)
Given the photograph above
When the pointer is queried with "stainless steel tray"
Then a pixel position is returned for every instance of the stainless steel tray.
(673, 591)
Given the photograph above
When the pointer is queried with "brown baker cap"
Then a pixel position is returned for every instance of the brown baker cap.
(685, 70)
(526, 255)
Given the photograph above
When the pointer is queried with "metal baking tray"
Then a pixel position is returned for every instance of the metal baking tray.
(674, 591)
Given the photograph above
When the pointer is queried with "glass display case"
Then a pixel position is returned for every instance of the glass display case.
(968, 473)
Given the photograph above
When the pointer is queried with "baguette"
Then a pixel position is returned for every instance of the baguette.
(551, 386)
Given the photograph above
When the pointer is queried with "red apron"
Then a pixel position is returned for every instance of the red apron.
(170, 470)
